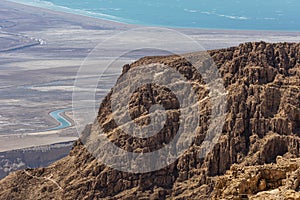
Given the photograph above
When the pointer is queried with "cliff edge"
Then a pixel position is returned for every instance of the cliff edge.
(257, 155)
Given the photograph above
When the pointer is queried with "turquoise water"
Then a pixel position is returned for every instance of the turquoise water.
(63, 122)
(210, 14)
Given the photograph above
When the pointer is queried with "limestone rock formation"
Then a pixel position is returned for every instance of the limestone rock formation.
(278, 180)
(262, 123)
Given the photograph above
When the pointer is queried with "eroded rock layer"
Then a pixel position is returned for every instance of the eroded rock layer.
(262, 123)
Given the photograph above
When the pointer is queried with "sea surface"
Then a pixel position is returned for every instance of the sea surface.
(279, 15)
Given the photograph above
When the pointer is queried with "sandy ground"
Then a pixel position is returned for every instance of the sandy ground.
(13, 142)
(40, 53)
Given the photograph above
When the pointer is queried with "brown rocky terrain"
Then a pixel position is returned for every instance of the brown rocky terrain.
(257, 155)
(278, 180)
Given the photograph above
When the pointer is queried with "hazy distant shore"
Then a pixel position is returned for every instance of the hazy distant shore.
(40, 46)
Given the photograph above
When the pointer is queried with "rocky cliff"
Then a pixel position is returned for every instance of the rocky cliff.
(262, 127)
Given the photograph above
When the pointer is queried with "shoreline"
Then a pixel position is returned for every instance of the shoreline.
(129, 25)
(64, 10)
(96, 24)
(210, 39)
(73, 11)
(76, 17)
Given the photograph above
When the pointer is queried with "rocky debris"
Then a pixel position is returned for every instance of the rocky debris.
(263, 122)
(278, 180)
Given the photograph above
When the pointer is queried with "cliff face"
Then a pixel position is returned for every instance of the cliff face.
(263, 122)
